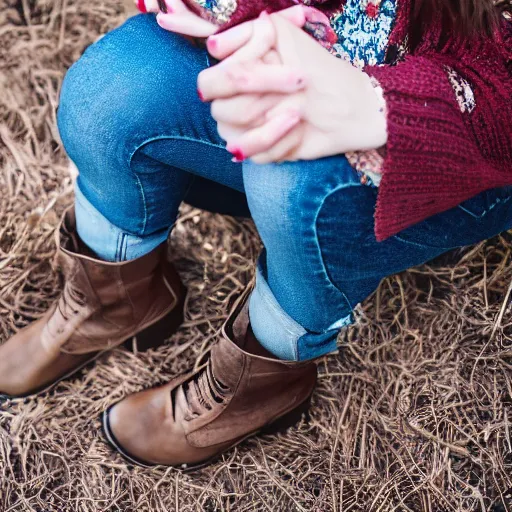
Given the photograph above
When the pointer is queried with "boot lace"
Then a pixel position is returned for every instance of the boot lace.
(69, 304)
(203, 391)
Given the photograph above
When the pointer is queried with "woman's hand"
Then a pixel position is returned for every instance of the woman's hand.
(278, 95)
(176, 16)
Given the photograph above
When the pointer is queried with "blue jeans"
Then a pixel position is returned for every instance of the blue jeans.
(130, 119)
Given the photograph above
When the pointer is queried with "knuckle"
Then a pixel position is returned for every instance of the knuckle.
(236, 77)
(238, 74)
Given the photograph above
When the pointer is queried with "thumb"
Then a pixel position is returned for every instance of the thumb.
(289, 38)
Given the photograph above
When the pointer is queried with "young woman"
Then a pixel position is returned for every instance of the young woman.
(358, 155)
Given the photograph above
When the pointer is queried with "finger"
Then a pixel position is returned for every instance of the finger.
(187, 24)
(287, 38)
(244, 109)
(262, 138)
(283, 150)
(229, 132)
(295, 14)
(262, 39)
(288, 103)
(299, 14)
(226, 81)
(226, 43)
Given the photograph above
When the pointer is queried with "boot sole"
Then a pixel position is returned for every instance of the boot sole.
(278, 425)
(159, 330)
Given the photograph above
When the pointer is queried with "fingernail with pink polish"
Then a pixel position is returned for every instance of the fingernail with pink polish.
(141, 6)
(211, 43)
(200, 94)
(238, 155)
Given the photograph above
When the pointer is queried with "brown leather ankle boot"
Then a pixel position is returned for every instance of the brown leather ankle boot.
(195, 418)
(101, 306)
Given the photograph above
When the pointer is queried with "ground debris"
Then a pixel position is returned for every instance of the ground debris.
(412, 414)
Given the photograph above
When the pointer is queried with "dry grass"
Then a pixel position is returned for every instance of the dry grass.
(413, 414)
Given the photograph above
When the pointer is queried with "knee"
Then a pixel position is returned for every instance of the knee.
(272, 192)
(117, 91)
(285, 198)
(274, 196)
(92, 95)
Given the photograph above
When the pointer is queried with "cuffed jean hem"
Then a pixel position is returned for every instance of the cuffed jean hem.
(109, 242)
(280, 334)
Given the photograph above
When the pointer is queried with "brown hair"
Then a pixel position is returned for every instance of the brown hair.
(462, 18)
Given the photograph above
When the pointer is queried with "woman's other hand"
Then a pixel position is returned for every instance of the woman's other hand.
(175, 16)
(278, 95)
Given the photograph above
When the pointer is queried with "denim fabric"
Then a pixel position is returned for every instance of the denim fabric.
(130, 119)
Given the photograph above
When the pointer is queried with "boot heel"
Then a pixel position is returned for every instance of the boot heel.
(289, 419)
(157, 333)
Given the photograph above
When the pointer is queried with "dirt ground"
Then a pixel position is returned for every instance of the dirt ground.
(412, 414)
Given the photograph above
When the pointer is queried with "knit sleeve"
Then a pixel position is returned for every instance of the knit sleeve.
(446, 143)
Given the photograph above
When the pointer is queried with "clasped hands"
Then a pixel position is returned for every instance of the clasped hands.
(278, 95)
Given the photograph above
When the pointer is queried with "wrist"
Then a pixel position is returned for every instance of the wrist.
(379, 108)
(379, 92)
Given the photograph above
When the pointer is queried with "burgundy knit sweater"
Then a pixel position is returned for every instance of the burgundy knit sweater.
(437, 155)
